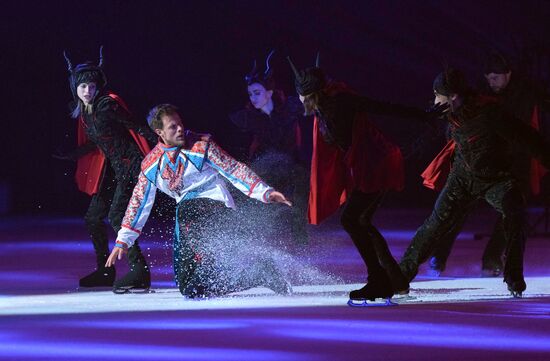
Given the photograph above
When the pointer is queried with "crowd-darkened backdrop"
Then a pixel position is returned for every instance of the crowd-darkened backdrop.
(195, 53)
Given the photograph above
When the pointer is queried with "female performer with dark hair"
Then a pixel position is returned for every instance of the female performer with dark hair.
(273, 125)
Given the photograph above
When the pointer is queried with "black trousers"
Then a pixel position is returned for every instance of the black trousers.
(492, 255)
(208, 258)
(454, 202)
(110, 202)
(357, 221)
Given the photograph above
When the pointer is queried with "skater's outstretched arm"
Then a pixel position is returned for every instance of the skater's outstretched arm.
(242, 177)
(137, 213)
(516, 131)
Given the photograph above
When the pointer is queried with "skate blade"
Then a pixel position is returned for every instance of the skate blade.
(136, 290)
(368, 303)
(516, 294)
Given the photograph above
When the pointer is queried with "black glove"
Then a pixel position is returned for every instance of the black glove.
(437, 111)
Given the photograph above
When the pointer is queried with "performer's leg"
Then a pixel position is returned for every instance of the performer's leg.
(190, 222)
(507, 198)
(356, 221)
(360, 204)
(139, 275)
(96, 213)
(453, 201)
(491, 262)
(385, 258)
(444, 245)
(203, 263)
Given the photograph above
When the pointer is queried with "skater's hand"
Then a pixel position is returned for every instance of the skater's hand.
(436, 111)
(116, 253)
(278, 197)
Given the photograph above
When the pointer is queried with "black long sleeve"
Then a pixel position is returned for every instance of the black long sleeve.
(516, 131)
(81, 150)
(120, 114)
(377, 107)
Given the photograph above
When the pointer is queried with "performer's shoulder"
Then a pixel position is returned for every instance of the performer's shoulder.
(151, 157)
(110, 101)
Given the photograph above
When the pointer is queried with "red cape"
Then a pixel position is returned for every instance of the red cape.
(437, 172)
(89, 168)
(371, 164)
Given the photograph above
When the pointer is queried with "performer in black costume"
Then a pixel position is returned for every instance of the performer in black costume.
(354, 162)
(526, 101)
(273, 124)
(111, 147)
(482, 135)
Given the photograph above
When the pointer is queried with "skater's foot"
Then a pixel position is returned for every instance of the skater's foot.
(372, 290)
(102, 277)
(364, 303)
(516, 285)
(136, 281)
(398, 281)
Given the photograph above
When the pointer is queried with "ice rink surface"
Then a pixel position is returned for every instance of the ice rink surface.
(458, 316)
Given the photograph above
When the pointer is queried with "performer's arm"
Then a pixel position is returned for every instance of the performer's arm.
(372, 106)
(137, 211)
(77, 153)
(242, 177)
(516, 131)
(120, 114)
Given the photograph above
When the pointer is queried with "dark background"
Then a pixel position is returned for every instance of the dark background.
(195, 54)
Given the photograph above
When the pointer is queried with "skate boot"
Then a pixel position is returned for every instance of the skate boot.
(101, 277)
(436, 267)
(138, 279)
(273, 278)
(516, 285)
(399, 282)
(376, 287)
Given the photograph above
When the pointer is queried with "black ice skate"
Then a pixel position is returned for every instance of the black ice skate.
(102, 277)
(138, 280)
(516, 286)
(373, 290)
(399, 282)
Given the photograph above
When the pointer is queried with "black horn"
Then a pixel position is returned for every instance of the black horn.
(69, 64)
(267, 62)
(100, 57)
(296, 73)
